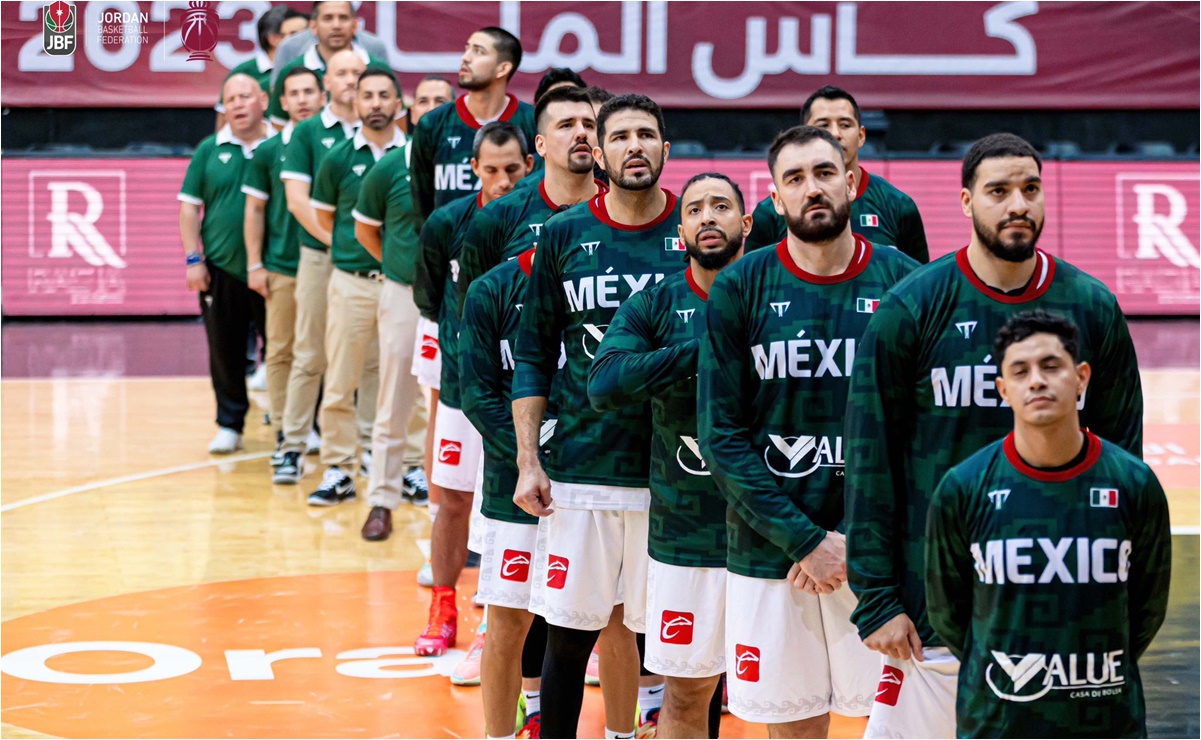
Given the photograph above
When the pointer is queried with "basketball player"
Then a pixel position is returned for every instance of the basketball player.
(1048, 557)
(590, 569)
(649, 353)
(881, 213)
(922, 400)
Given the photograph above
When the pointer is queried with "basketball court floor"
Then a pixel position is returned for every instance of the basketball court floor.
(151, 590)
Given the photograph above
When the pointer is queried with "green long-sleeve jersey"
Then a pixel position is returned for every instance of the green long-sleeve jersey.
(442, 148)
(650, 353)
(924, 398)
(880, 212)
(587, 266)
(1049, 586)
(503, 229)
(774, 373)
(435, 284)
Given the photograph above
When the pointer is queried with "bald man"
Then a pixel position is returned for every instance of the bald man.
(211, 211)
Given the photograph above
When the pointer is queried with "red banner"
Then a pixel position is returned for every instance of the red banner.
(101, 237)
(1022, 54)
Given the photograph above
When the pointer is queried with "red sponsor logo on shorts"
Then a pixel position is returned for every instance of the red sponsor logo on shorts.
(746, 663)
(676, 628)
(450, 452)
(429, 347)
(890, 686)
(556, 571)
(515, 566)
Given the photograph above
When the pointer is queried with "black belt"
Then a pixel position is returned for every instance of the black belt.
(376, 275)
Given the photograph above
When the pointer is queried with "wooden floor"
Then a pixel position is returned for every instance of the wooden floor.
(116, 526)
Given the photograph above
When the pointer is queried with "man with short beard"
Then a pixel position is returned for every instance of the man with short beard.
(650, 353)
(923, 399)
(351, 329)
(589, 579)
(442, 141)
(773, 381)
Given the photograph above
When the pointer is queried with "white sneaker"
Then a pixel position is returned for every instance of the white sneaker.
(425, 576)
(365, 464)
(258, 381)
(226, 441)
(312, 443)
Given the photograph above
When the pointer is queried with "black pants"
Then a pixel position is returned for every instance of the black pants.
(228, 307)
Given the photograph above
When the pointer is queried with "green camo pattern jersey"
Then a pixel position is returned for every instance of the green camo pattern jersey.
(650, 352)
(385, 201)
(503, 229)
(884, 215)
(487, 333)
(311, 141)
(924, 398)
(587, 266)
(337, 189)
(281, 240)
(442, 149)
(1049, 586)
(774, 375)
(435, 286)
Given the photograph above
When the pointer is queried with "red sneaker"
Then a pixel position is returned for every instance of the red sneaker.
(443, 629)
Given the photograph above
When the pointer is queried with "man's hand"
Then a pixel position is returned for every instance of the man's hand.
(533, 490)
(826, 564)
(257, 281)
(897, 638)
(198, 277)
(800, 580)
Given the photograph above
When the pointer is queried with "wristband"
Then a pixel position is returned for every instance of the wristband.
(194, 258)
(255, 266)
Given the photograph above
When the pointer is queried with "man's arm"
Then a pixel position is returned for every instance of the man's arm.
(628, 368)
(297, 175)
(324, 198)
(370, 211)
(191, 201)
(421, 168)
(257, 186)
(1113, 408)
(877, 433)
(1150, 567)
(726, 386)
(481, 377)
(948, 567)
(911, 236)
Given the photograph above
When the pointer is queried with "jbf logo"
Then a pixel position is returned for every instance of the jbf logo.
(1031, 676)
(515, 566)
(797, 457)
(85, 211)
(676, 628)
(58, 29)
(1154, 218)
(746, 663)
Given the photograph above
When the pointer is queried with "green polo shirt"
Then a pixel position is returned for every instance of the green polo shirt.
(385, 201)
(306, 150)
(214, 182)
(281, 238)
(336, 189)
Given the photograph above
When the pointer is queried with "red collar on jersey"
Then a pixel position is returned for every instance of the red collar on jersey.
(1094, 453)
(597, 206)
(859, 262)
(525, 261)
(704, 295)
(467, 118)
(1040, 283)
(479, 200)
(862, 185)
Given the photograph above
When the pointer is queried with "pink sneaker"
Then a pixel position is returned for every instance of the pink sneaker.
(442, 631)
(467, 672)
(592, 672)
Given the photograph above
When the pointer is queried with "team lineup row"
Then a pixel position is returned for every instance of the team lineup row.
(663, 420)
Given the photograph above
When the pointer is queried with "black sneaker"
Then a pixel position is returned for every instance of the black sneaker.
(290, 468)
(277, 457)
(335, 488)
(416, 489)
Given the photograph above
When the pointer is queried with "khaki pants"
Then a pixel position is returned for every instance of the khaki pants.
(352, 348)
(308, 350)
(281, 326)
(397, 442)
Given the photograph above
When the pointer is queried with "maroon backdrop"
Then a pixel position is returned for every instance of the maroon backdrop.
(94, 236)
(1024, 54)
